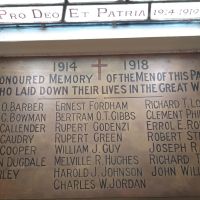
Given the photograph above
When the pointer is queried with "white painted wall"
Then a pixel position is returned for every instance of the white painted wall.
(100, 40)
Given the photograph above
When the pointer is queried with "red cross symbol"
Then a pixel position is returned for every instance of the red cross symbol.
(99, 65)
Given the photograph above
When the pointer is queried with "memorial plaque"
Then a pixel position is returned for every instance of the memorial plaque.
(107, 126)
